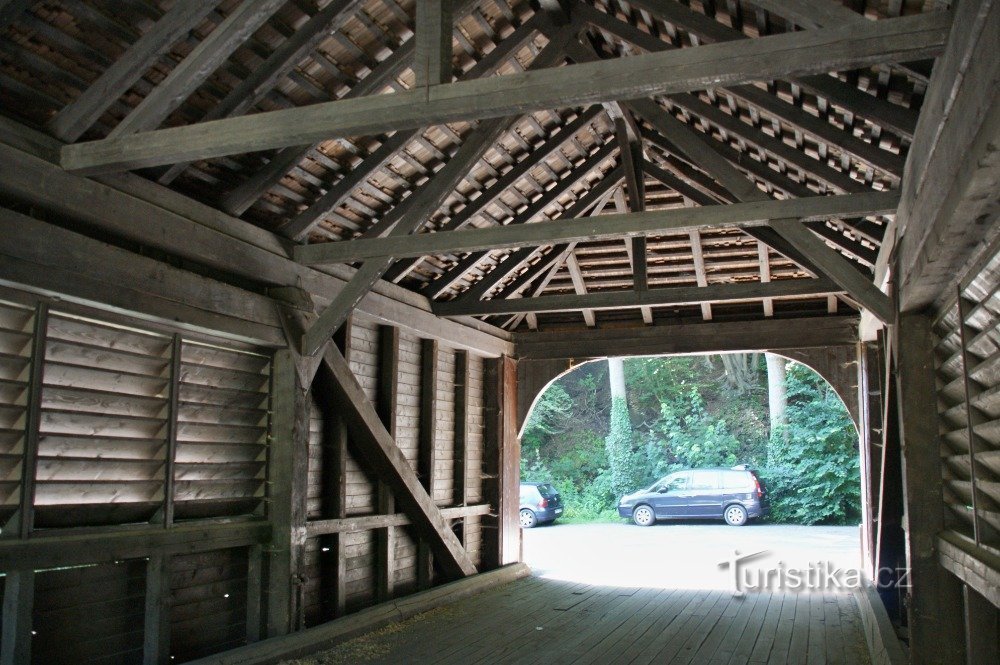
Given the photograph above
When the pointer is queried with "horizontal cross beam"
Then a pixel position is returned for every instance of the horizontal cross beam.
(683, 70)
(755, 213)
(677, 295)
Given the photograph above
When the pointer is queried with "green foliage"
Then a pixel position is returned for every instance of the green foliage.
(815, 470)
(690, 412)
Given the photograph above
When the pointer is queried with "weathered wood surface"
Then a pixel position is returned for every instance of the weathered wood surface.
(568, 622)
(799, 53)
(628, 225)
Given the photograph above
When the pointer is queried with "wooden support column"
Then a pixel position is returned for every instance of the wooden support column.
(432, 57)
(429, 355)
(982, 635)
(18, 600)
(388, 389)
(463, 378)
(288, 468)
(501, 464)
(935, 597)
(337, 472)
(156, 638)
(255, 591)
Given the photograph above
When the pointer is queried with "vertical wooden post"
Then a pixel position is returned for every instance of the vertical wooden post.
(33, 421)
(429, 354)
(461, 469)
(982, 635)
(501, 464)
(432, 53)
(338, 472)
(18, 601)
(156, 636)
(935, 602)
(287, 472)
(255, 589)
(388, 389)
(171, 453)
(865, 454)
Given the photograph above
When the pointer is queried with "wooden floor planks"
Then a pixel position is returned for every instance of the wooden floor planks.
(538, 621)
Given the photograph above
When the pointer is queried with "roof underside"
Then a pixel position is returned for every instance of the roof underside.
(843, 133)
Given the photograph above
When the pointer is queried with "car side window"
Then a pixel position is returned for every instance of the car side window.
(679, 482)
(705, 480)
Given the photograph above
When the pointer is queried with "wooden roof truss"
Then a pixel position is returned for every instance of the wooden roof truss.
(593, 146)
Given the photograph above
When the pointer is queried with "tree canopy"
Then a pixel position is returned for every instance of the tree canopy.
(690, 412)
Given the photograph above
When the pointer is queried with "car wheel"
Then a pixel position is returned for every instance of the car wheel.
(643, 516)
(528, 519)
(736, 515)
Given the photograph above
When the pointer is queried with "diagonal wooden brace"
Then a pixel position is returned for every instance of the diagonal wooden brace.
(371, 441)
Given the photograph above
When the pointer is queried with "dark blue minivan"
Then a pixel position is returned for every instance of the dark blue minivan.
(735, 495)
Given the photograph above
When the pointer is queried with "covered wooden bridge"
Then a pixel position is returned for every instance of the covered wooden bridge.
(279, 278)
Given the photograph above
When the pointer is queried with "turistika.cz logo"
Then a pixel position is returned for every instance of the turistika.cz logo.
(816, 576)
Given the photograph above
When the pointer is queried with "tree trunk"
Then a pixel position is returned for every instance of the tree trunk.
(618, 443)
(616, 377)
(777, 399)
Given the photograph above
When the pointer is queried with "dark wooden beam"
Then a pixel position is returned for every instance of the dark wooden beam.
(156, 625)
(789, 54)
(693, 338)
(427, 445)
(501, 463)
(373, 444)
(432, 56)
(18, 601)
(681, 220)
(83, 112)
(373, 522)
(194, 69)
(387, 404)
(288, 465)
(675, 295)
(579, 286)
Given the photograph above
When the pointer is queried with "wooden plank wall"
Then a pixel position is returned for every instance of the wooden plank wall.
(415, 361)
(967, 369)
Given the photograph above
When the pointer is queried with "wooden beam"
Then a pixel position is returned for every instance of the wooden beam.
(100, 546)
(83, 112)
(693, 338)
(934, 600)
(982, 639)
(427, 445)
(778, 56)
(756, 213)
(18, 601)
(156, 624)
(225, 246)
(376, 447)
(288, 464)
(387, 403)
(371, 522)
(463, 414)
(837, 268)
(194, 69)
(579, 285)
(948, 212)
(675, 295)
(432, 56)
(501, 463)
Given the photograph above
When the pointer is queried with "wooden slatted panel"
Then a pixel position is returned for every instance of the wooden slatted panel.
(104, 420)
(444, 426)
(208, 596)
(359, 582)
(16, 334)
(221, 432)
(92, 614)
(407, 438)
(968, 379)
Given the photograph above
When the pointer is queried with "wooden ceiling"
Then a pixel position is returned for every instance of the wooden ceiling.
(102, 69)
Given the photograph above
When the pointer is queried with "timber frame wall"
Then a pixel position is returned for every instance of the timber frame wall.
(163, 469)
